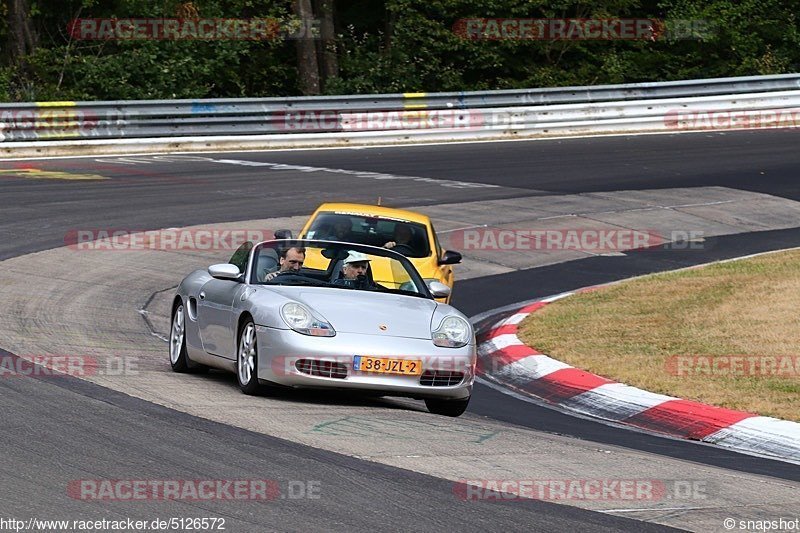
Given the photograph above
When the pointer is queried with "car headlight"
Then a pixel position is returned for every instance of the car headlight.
(453, 332)
(302, 320)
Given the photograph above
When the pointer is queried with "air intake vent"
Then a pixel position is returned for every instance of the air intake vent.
(441, 378)
(325, 369)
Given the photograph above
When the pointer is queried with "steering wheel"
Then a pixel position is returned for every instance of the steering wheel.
(404, 249)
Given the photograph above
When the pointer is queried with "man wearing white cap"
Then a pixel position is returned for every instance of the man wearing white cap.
(354, 271)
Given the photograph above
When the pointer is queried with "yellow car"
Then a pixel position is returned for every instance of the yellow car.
(405, 232)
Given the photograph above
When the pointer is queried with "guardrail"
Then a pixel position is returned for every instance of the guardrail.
(364, 119)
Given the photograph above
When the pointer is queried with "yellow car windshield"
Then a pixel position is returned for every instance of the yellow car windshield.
(409, 238)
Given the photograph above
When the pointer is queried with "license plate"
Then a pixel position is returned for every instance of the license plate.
(385, 365)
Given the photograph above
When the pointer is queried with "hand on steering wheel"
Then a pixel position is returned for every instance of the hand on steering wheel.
(404, 249)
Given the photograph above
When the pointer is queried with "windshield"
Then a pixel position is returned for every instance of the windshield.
(410, 238)
(335, 265)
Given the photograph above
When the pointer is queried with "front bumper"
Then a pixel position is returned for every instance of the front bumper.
(280, 349)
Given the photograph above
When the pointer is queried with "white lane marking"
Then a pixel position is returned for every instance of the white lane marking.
(300, 168)
(147, 159)
(462, 229)
(125, 161)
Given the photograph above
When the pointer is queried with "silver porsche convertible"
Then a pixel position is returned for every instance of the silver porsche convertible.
(321, 314)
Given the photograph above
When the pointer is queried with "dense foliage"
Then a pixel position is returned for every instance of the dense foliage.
(379, 46)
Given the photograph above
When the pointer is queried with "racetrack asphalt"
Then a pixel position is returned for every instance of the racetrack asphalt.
(157, 194)
(47, 447)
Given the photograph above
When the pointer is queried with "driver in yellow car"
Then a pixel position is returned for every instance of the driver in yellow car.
(403, 234)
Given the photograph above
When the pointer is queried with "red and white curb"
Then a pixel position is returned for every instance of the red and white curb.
(506, 360)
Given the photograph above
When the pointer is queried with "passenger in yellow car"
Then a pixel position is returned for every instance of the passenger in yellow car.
(341, 231)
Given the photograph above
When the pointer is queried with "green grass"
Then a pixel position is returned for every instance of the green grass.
(630, 331)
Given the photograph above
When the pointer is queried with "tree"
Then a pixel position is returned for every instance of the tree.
(327, 50)
(21, 37)
(376, 46)
(307, 64)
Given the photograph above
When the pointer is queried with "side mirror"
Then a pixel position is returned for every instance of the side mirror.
(450, 258)
(438, 289)
(224, 271)
(283, 234)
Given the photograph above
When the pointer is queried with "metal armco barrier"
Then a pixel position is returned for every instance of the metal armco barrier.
(362, 119)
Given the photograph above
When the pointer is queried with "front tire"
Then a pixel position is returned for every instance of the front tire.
(447, 407)
(178, 356)
(247, 359)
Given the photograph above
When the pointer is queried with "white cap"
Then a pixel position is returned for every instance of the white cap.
(355, 257)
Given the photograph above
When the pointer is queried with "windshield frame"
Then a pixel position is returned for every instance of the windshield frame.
(414, 275)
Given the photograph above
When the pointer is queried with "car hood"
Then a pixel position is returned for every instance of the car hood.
(369, 313)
